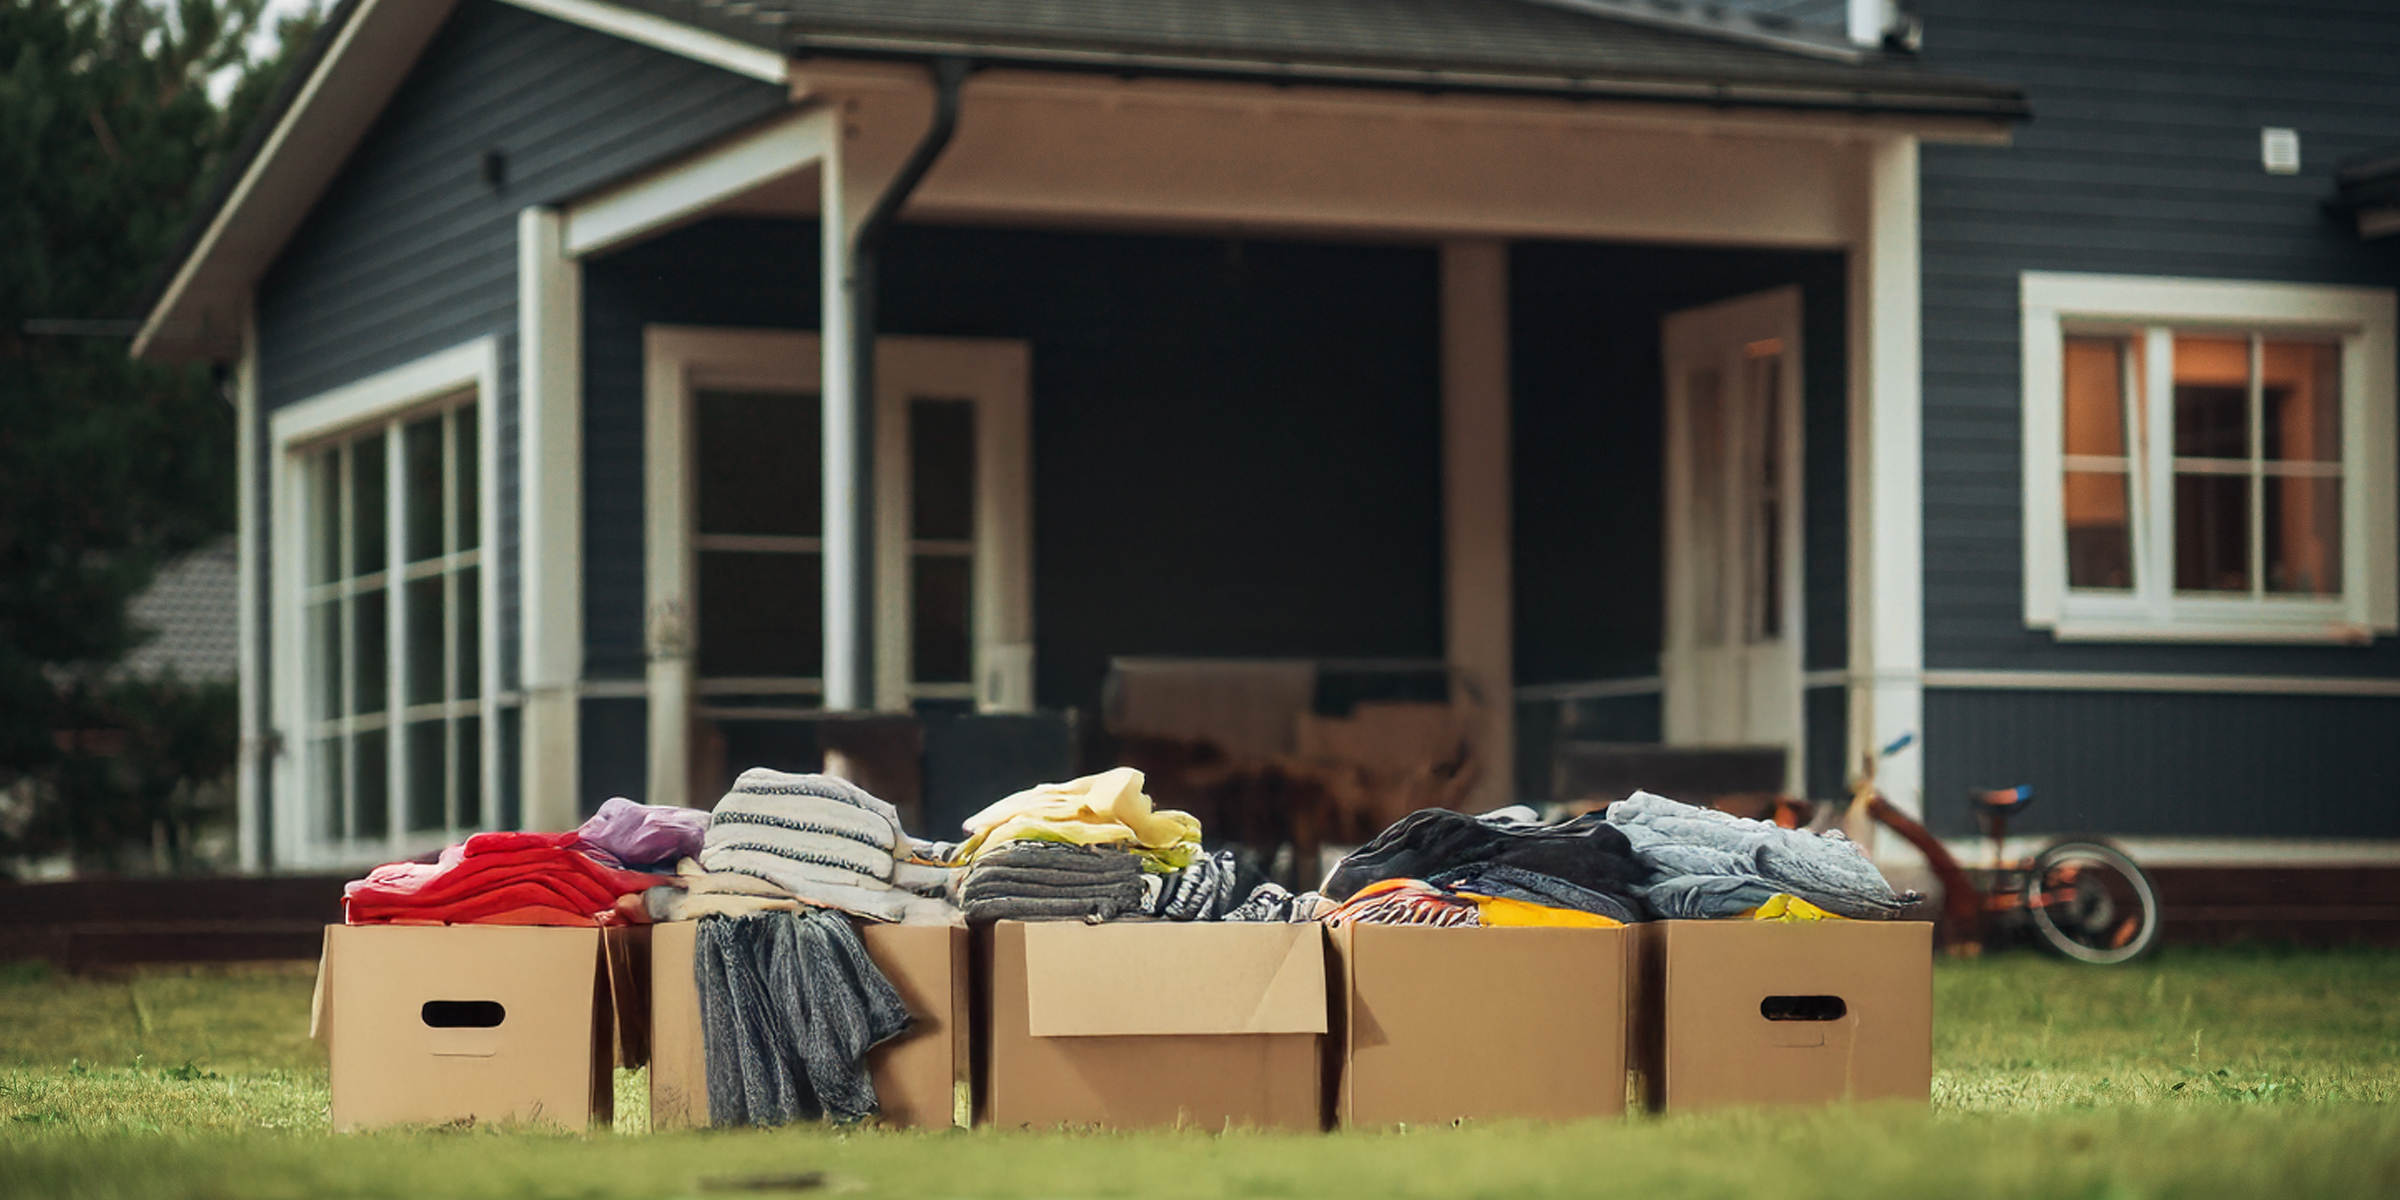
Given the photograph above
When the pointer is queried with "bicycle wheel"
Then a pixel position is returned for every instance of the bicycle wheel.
(2091, 903)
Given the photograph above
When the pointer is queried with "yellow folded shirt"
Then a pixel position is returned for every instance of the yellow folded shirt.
(1096, 810)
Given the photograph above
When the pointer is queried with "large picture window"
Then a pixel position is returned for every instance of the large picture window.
(396, 732)
(2207, 460)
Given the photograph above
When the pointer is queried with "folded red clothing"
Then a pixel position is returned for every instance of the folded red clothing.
(496, 878)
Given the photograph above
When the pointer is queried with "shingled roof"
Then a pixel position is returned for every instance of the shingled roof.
(1722, 54)
(1652, 49)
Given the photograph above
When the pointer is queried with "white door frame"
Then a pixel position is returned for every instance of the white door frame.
(1734, 332)
(679, 361)
(995, 374)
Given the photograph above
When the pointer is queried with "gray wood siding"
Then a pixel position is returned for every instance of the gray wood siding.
(410, 252)
(2172, 765)
(2142, 158)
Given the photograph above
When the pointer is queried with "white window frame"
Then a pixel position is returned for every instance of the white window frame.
(294, 431)
(2147, 311)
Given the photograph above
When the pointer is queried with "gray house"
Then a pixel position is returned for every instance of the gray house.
(622, 383)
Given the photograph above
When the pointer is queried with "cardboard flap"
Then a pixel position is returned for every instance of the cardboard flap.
(1132, 979)
(320, 1004)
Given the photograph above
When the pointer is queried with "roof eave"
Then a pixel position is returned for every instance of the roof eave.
(1997, 104)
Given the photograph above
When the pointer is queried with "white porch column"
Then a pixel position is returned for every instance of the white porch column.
(849, 558)
(1887, 587)
(550, 512)
(1476, 554)
(249, 771)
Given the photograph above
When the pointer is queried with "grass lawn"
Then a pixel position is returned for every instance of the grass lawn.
(2202, 1073)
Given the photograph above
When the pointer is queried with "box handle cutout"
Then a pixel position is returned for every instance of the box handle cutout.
(464, 1014)
(1803, 1008)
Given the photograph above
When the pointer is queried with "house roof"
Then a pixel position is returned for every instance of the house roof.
(1746, 53)
(1593, 48)
(190, 607)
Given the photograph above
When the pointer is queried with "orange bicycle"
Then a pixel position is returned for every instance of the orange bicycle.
(2080, 897)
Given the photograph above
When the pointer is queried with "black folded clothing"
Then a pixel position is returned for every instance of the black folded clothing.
(1587, 852)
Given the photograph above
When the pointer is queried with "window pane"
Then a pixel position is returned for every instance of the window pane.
(470, 637)
(1708, 551)
(941, 646)
(424, 651)
(469, 750)
(1762, 482)
(941, 468)
(333, 820)
(374, 785)
(2304, 536)
(325, 548)
(2212, 533)
(2095, 396)
(368, 647)
(421, 452)
(760, 467)
(324, 659)
(428, 777)
(468, 464)
(2301, 389)
(367, 553)
(2212, 398)
(2099, 535)
(761, 614)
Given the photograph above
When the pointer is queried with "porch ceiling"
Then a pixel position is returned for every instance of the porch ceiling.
(1481, 45)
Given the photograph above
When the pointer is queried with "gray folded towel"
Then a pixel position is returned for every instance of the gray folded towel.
(1049, 881)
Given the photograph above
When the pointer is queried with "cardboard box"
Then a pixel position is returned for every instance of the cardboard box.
(1440, 1025)
(438, 1023)
(1757, 1013)
(1133, 1024)
(921, 1077)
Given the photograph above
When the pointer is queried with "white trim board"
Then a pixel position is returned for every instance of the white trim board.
(473, 364)
(2194, 851)
(550, 515)
(653, 202)
(674, 37)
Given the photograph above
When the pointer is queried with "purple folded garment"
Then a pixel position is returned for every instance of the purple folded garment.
(641, 834)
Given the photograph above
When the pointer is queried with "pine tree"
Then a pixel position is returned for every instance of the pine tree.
(108, 467)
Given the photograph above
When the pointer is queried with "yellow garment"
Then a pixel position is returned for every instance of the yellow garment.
(1097, 810)
(1790, 909)
(1501, 912)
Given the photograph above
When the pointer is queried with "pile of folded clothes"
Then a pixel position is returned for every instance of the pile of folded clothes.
(1645, 858)
(1092, 849)
(826, 842)
(501, 879)
(1704, 863)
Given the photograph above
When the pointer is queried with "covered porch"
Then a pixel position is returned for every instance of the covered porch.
(1204, 369)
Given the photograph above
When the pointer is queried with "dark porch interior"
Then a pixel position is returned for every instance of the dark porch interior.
(1236, 452)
